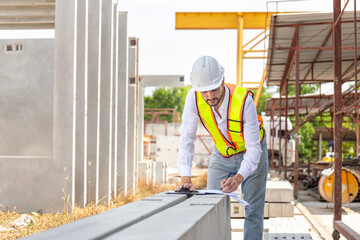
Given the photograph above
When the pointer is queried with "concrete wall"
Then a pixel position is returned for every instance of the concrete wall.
(26, 96)
(26, 125)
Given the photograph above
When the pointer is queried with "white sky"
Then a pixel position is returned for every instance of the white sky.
(164, 50)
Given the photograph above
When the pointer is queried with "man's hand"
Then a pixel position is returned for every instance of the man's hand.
(186, 183)
(232, 183)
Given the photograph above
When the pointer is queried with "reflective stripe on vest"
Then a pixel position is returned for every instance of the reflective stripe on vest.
(236, 104)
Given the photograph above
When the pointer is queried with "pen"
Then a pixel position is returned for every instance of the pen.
(226, 179)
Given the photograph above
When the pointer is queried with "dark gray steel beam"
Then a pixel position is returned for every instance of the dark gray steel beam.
(297, 103)
(289, 62)
(337, 107)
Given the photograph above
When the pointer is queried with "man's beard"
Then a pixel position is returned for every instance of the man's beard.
(218, 100)
(213, 105)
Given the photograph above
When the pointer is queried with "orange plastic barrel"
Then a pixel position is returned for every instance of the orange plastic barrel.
(350, 187)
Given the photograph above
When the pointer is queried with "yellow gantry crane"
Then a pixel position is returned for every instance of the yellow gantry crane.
(232, 20)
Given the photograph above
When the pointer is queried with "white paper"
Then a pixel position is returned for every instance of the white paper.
(233, 195)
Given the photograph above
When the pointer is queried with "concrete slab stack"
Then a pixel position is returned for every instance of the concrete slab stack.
(279, 196)
(84, 157)
(278, 201)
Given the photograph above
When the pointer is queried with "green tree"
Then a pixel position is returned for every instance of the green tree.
(304, 89)
(173, 97)
(307, 145)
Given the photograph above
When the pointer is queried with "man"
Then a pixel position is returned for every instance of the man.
(228, 113)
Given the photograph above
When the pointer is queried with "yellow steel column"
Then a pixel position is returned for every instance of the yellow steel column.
(258, 93)
(240, 27)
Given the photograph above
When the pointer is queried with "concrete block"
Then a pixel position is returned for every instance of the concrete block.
(238, 210)
(275, 209)
(287, 209)
(278, 191)
(266, 210)
(287, 192)
(199, 217)
(144, 171)
(160, 172)
(101, 225)
(281, 209)
(272, 195)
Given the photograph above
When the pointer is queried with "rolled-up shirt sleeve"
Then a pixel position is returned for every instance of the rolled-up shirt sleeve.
(188, 129)
(252, 139)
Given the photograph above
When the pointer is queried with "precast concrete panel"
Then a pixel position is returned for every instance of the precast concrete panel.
(81, 87)
(122, 103)
(26, 125)
(94, 71)
(114, 185)
(132, 59)
(64, 102)
(65, 128)
(105, 137)
(131, 157)
(132, 113)
(26, 97)
(140, 127)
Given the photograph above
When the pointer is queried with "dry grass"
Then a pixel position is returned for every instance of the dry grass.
(43, 222)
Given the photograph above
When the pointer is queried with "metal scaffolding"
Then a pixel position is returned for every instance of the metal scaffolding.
(314, 49)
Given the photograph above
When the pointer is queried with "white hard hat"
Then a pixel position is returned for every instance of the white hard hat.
(207, 74)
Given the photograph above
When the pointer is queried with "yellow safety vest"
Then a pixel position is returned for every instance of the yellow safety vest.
(236, 143)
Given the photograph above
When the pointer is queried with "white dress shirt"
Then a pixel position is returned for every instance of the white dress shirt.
(190, 119)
